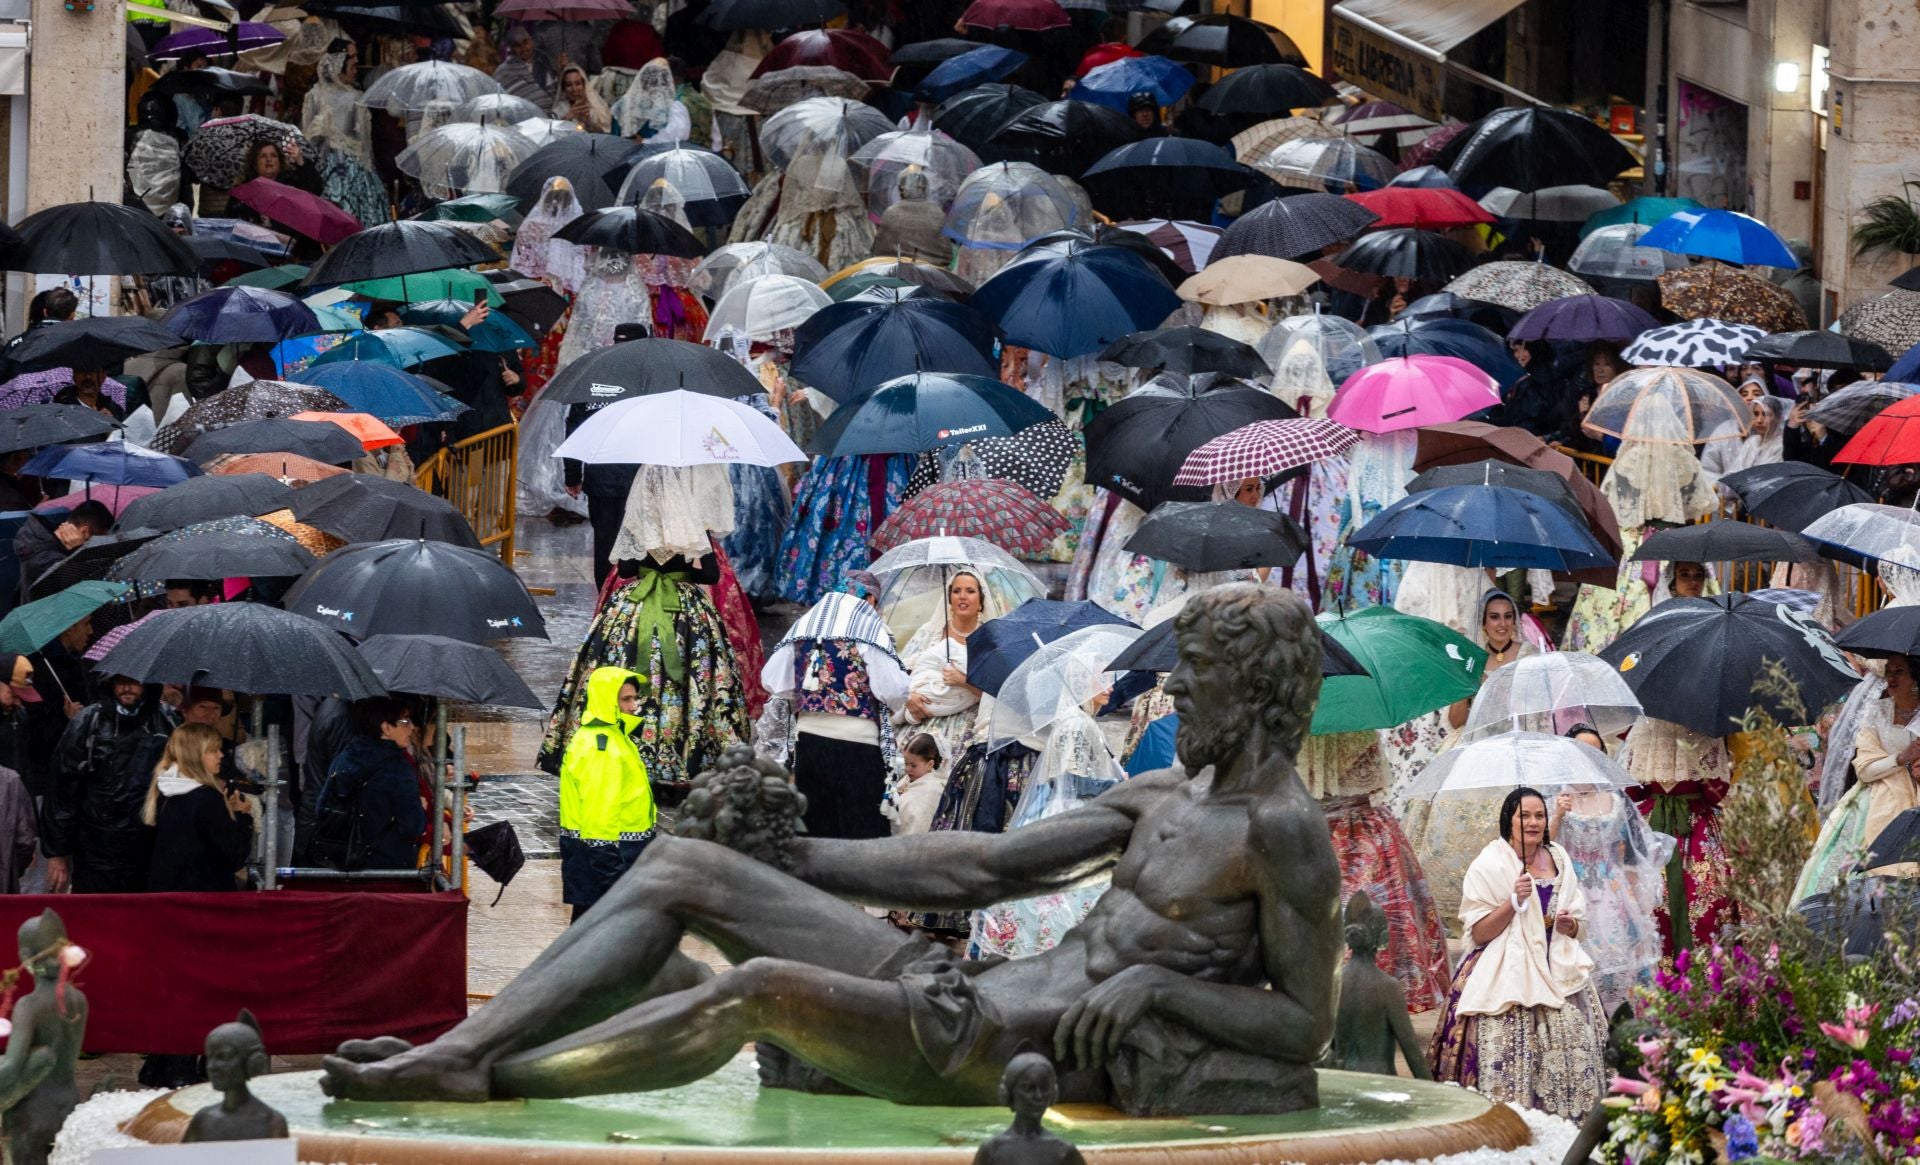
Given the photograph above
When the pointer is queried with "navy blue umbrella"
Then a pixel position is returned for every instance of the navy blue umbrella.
(1442, 336)
(1482, 525)
(1583, 317)
(1169, 177)
(241, 315)
(1002, 644)
(1076, 299)
(381, 390)
(926, 411)
(974, 67)
(109, 463)
(844, 349)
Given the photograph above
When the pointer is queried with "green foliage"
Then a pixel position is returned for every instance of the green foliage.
(1890, 224)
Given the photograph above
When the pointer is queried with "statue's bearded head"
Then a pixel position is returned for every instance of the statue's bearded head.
(1249, 654)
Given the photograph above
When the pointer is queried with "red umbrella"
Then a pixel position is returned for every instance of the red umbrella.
(631, 44)
(295, 209)
(1892, 438)
(1025, 15)
(1105, 53)
(1424, 207)
(1004, 513)
(836, 48)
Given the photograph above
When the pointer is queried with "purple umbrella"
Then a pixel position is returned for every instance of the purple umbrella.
(38, 388)
(248, 34)
(1583, 317)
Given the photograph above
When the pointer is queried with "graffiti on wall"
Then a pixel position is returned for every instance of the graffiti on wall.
(1710, 148)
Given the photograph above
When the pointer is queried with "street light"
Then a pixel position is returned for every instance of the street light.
(1786, 76)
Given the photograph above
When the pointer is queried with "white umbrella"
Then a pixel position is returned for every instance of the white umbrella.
(498, 108)
(1056, 679)
(713, 275)
(1614, 253)
(679, 428)
(1512, 759)
(1871, 530)
(413, 88)
(1551, 693)
(476, 157)
(764, 305)
(542, 131)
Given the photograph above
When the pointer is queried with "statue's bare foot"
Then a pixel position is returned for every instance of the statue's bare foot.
(374, 1050)
(420, 1074)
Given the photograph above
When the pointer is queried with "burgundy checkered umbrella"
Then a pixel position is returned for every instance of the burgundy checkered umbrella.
(1265, 449)
(1004, 513)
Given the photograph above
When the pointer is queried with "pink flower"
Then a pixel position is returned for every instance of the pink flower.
(1623, 1086)
(1847, 1035)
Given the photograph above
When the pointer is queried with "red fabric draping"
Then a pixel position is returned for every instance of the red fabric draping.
(315, 968)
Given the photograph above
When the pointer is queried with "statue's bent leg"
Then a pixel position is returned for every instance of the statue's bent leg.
(857, 1030)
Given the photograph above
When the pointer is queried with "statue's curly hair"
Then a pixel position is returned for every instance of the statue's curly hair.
(1269, 639)
(748, 804)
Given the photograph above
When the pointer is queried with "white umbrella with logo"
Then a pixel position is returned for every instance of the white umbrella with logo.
(679, 428)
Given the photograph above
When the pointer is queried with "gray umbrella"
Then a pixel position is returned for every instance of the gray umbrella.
(1289, 228)
(433, 665)
(202, 499)
(243, 647)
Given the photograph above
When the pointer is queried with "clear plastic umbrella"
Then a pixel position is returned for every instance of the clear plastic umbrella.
(499, 108)
(1056, 679)
(1007, 205)
(1871, 530)
(712, 276)
(412, 88)
(1335, 165)
(1316, 353)
(766, 304)
(1613, 253)
(915, 578)
(945, 163)
(701, 177)
(1669, 406)
(1550, 694)
(476, 157)
(947, 550)
(835, 121)
(542, 131)
(1512, 759)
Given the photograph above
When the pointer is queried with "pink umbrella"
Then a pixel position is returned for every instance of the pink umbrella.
(309, 214)
(1411, 392)
(114, 497)
(565, 9)
(111, 639)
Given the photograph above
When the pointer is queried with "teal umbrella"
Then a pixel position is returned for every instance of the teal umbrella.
(28, 628)
(476, 208)
(272, 278)
(397, 347)
(1414, 666)
(1646, 210)
(496, 333)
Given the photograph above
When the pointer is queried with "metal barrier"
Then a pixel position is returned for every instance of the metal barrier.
(479, 477)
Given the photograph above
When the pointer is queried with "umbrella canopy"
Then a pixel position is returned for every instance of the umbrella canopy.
(1891, 320)
(92, 343)
(1067, 136)
(1076, 300)
(836, 48)
(1165, 175)
(443, 283)
(243, 647)
(766, 304)
(1726, 542)
(1265, 449)
(1485, 525)
(963, 71)
(1189, 244)
(1712, 290)
(679, 428)
(940, 550)
(1021, 15)
(1332, 165)
(377, 389)
(1520, 286)
(1404, 254)
(1412, 667)
(1316, 352)
(411, 586)
(1003, 513)
(1888, 631)
(1186, 350)
(1158, 650)
(1821, 349)
(357, 507)
(923, 150)
(1867, 530)
(465, 155)
(280, 278)
(89, 562)
(845, 349)
(1422, 208)
(1269, 90)
(1721, 234)
(633, 230)
(31, 426)
(243, 37)
(220, 151)
(1529, 147)
(298, 211)
(1584, 318)
(732, 14)
(38, 388)
(286, 467)
(500, 109)
(1037, 456)
(1231, 42)
(1615, 253)
(1669, 406)
(1411, 392)
(1693, 661)
(833, 123)
(1555, 204)
(1005, 206)
(368, 430)
(1294, 228)
(206, 499)
(447, 669)
(1890, 438)
(1511, 760)
(1494, 472)
(901, 270)
(1264, 137)
(28, 628)
(584, 159)
(1136, 447)
(639, 367)
(109, 463)
(1493, 317)
(1848, 408)
(712, 275)
(398, 248)
(256, 400)
(1247, 279)
(320, 440)
(972, 117)
(1792, 494)
(775, 91)
(1699, 343)
(926, 410)
(1001, 645)
(1550, 693)
(1644, 211)
(1218, 536)
(395, 347)
(1057, 680)
(1114, 83)
(499, 332)
(228, 315)
(417, 87)
(216, 550)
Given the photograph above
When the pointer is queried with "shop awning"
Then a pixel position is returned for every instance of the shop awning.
(1398, 48)
(1433, 27)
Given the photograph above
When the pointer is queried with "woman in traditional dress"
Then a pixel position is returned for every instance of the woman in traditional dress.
(1523, 1022)
(1762, 444)
(340, 128)
(822, 209)
(678, 313)
(659, 621)
(940, 700)
(1382, 465)
(1682, 776)
(648, 111)
(578, 102)
(536, 253)
(1876, 736)
(838, 505)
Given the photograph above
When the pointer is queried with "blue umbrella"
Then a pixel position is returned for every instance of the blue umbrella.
(1075, 299)
(972, 68)
(241, 315)
(1646, 209)
(394, 347)
(110, 463)
(1583, 317)
(926, 411)
(844, 349)
(1113, 83)
(396, 397)
(1482, 525)
(497, 333)
(1444, 336)
(1002, 644)
(1424, 178)
(1720, 234)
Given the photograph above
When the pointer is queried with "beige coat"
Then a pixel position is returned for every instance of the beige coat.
(1514, 969)
(1891, 789)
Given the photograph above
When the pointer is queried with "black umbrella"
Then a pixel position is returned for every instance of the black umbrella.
(203, 499)
(215, 554)
(31, 426)
(1002, 644)
(1166, 177)
(407, 586)
(320, 440)
(210, 81)
(1726, 542)
(1231, 42)
(243, 647)
(732, 14)
(407, 247)
(404, 19)
(1210, 536)
(844, 349)
(1532, 147)
(1037, 457)
(926, 410)
(1694, 661)
(94, 342)
(583, 159)
(1187, 350)
(1067, 136)
(1159, 650)
(1265, 91)
(1908, 280)
(91, 561)
(1819, 349)
(1135, 447)
(971, 118)
(529, 302)
(1854, 915)
(1406, 253)
(1888, 631)
(633, 230)
(358, 507)
(101, 238)
(1492, 316)
(1299, 226)
(214, 249)
(640, 367)
(1898, 842)
(448, 669)
(932, 52)
(1791, 494)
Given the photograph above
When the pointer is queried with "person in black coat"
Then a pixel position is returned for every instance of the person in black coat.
(375, 769)
(202, 832)
(606, 486)
(90, 827)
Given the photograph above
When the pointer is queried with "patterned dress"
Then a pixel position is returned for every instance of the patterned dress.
(1622, 875)
(840, 502)
(1683, 777)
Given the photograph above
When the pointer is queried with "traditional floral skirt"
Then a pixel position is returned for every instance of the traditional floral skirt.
(1376, 857)
(1539, 1057)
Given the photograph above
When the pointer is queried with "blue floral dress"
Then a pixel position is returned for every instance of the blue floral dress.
(834, 514)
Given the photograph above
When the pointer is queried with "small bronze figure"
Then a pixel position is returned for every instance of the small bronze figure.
(1029, 1088)
(37, 1091)
(236, 1053)
(1373, 1004)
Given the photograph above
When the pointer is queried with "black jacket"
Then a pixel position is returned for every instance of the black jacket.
(196, 845)
(36, 547)
(101, 769)
(390, 802)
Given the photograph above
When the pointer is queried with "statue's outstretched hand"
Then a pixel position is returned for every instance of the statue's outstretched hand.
(1090, 1032)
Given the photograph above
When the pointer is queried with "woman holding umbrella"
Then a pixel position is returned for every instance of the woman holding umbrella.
(337, 125)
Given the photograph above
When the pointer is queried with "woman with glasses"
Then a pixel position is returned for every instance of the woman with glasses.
(370, 815)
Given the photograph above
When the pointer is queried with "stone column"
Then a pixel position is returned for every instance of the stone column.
(77, 83)
(1873, 138)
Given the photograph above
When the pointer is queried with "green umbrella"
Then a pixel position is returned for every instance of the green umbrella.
(451, 283)
(1414, 666)
(1646, 210)
(271, 278)
(476, 208)
(28, 628)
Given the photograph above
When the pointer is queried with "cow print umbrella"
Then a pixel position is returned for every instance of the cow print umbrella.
(1701, 343)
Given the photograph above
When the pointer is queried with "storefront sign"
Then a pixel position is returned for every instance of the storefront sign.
(1389, 70)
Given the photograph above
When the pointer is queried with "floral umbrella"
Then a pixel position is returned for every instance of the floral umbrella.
(39, 388)
(217, 155)
(1669, 406)
(1520, 286)
(1891, 320)
(258, 400)
(1713, 289)
(1004, 513)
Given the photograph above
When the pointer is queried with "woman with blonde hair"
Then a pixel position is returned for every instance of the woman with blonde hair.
(203, 831)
